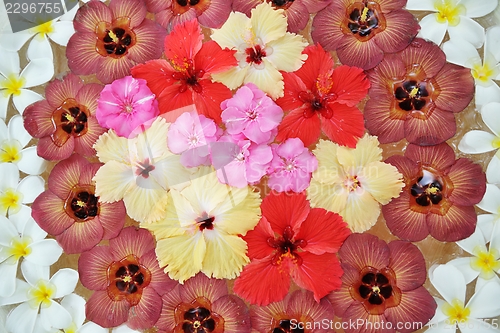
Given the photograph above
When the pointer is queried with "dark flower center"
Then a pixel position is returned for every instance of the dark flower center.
(198, 320)
(144, 168)
(364, 20)
(413, 95)
(179, 7)
(205, 222)
(318, 104)
(127, 278)
(70, 119)
(188, 77)
(184, 3)
(115, 39)
(286, 246)
(285, 326)
(281, 3)
(375, 288)
(255, 54)
(81, 204)
(428, 189)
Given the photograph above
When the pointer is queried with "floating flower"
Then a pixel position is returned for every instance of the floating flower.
(263, 49)
(452, 312)
(454, 16)
(127, 281)
(23, 238)
(382, 283)
(415, 95)
(203, 305)
(170, 13)
(38, 308)
(138, 170)
(185, 77)
(15, 194)
(71, 211)
(296, 12)
(490, 204)
(252, 113)
(322, 98)
(484, 69)
(362, 31)
(291, 167)
(15, 84)
(65, 122)
(297, 312)
(109, 41)
(125, 105)
(13, 140)
(476, 141)
(353, 182)
(203, 226)
(293, 241)
(438, 197)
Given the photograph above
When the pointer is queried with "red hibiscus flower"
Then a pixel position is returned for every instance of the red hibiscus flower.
(382, 283)
(361, 31)
(127, 280)
(320, 97)
(291, 240)
(439, 195)
(65, 121)
(70, 210)
(111, 40)
(185, 77)
(415, 95)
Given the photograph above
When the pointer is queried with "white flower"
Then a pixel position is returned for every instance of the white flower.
(13, 141)
(477, 142)
(491, 204)
(24, 239)
(36, 72)
(454, 16)
(485, 69)
(37, 296)
(450, 283)
(14, 194)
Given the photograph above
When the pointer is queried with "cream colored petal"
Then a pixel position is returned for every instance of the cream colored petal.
(225, 255)
(145, 204)
(268, 23)
(183, 210)
(234, 32)
(366, 151)
(329, 175)
(382, 181)
(287, 52)
(232, 78)
(169, 172)
(113, 180)
(152, 143)
(330, 197)
(268, 79)
(170, 225)
(361, 211)
(111, 147)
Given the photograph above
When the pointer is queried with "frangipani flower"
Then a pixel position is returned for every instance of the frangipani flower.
(203, 305)
(37, 297)
(453, 312)
(65, 122)
(13, 140)
(298, 308)
(490, 204)
(296, 11)
(138, 170)
(291, 241)
(382, 283)
(362, 31)
(14, 83)
(71, 211)
(125, 105)
(263, 49)
(438, 197)
(454, 16)
(185, 77)
(415, 94)
(477, 141)
(127, 281)
(20, 238)
(484, 69)
(353, 182)
(322, 98)
(15, 193)
(109, 41)
(203, 225)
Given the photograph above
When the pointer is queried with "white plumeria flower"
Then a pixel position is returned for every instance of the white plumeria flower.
(13, 140)
(26, 240)
(37, 297)
(484, 69)
(477, 142)
(452, 311)
(14, 194)
(36, 72)
(454, 16)
(490, 223)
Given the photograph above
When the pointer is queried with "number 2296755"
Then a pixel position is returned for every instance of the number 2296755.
(33, 8)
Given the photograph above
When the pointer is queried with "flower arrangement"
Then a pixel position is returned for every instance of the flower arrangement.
(279, 166)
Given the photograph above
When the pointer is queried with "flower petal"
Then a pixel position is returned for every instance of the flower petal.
(44, 252)
(438, 127)
(458, 223)
(40, 48)
(461, 53)
(286, 55)
(492, 174)
(268, 24)
(381, 180)
(48, 210)
(146, 313)
(477, 9)
(457, 85)
(439, 157)
(463, 265)
(432, 29)
(81, 236)
(63, 30)
(408, 265)
(378, 120)
(31, 187)
(482, 304)
(295, 125)
(235, 313)
(113, 180)
(369, 323)
(65, 280)
(22, 319)
(26, 98)
(31, 163)
(105, 312)
(400, 30)
(93, 267)
(469, 182)
(75, 305)
(33, 273)
(346, 125)
(469, 30)
(132, 241)
(449, 282)
(56, 315)
(282, 210)
(132, 9)
(8, 271)
(81, 53)
(361, 211)
(361, 250)
(476, 142)
(353, 52)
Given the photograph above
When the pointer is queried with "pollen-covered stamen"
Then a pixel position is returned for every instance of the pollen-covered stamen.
(317, 103)
(413, 95)
(286, 246)
(189, 77)
(428, 189)
(127, 278)
(70, 119)
(82, 204)
(364, 20)
(117, 41)
(255, 54)
(285, 326)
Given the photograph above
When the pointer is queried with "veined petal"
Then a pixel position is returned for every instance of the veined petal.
(268, 79)
(213, 59)
(408, 265)
(268, 24)
(234, 31)
(112, 218)
(184, 42)
(256, 239)
(432, 30)
(353, 52)
(225, 255)
(449, 282)
(283, 209)
(469, 182)
(232, 78)
(381, 180)
(295, 125)
(65, 175)
(439, 157)
(368, 321)
(150, 36)
(476, 142)
(454, 96)
(81, 236)
(146, 313)
(132, 241)
(331, 197)
(287, 52)
(378, 120)
(469, 30)
(458, 223)
(106, 312)
(400, 30)
(113, 181)
(235, 313)
(145, 204)
(48, 210)
(133, 9)
(345, 127)
(437, 128)
(81, 53)
(361, 250)
(361, 211)
(93, 266)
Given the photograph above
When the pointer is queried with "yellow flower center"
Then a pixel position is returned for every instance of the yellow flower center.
(10, 151)
(19, 247)
(483, 73)
(456, 312)
(10, 200)
(41, 294)
(351, 183)
(414, 92)
(496, 142)
(448, 10)
(485, 262)
(44, 28)
(12, 85)
(364, 14)
(71, 329)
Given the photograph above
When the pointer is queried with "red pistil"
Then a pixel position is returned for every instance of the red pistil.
(255, 54)
(286, 246)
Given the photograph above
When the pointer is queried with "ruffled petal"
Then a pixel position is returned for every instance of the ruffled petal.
(361, 211)
(105, 312)
(213, 59)
(469, 182)
(225, 255)
(268, 24)
(361, 250)
(381, 180)
(408, 264)
(268, 79)
(458, 223)
(286, 55)
(113, 180)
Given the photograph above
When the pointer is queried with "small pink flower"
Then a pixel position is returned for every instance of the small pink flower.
(291, 167)
(251, 112)
(125, 105)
